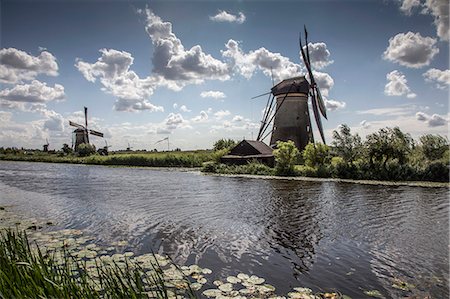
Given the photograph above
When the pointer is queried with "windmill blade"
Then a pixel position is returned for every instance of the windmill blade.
(260, 95)
(317, 116)
(267, 111)
(322, 108)
(71, 123)
(319, 98)
(167, 138)
(85, 116)
(96, 133)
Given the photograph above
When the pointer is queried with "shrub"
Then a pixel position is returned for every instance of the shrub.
(223, 144)
(86, 149)
(316, 154)
(286, 156)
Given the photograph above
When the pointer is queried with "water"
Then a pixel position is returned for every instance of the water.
(322, 235)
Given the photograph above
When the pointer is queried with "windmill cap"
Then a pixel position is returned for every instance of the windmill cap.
(291, 85)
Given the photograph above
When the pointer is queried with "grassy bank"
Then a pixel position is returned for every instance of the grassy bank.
(149, 159)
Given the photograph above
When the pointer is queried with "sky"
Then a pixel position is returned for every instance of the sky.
(187, 70)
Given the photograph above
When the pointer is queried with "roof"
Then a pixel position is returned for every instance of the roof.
(251, 147)
(291, 85)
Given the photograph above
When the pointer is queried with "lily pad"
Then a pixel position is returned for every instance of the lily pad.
(211, 293)
(373, 293)
(232, 279)
(226, 287)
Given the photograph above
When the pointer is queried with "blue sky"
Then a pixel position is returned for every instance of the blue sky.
(187, 69)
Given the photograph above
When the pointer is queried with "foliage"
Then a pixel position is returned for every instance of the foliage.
(316, 154)
(346, 145)
(286, 156)
(388, 144)
(85, 149)
(66, 149)
(433, 146)
(253, 167)
(222, 144)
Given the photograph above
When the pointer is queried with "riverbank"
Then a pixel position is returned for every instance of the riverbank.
(361, 182)
(188, 159)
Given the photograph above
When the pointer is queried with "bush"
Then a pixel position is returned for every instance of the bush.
(86, 149)
(437, 172)
(316, 154)
(224, 144)
(286, 156)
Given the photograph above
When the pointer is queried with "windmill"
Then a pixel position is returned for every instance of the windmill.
(46, 145)
(104, 151)
(287, 108)
(81, 133)
(129, 147)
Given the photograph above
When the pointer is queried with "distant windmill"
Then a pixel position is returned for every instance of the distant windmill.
(81, 132)
(46, 145)
(129, 147)
(287, 108)
(168, 144)
(104, 151)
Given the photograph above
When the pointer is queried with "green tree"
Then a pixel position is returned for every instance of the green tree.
(86, 149)
(286, 156)
(66, 149)
(388, 144)
(346, 145)
(433, 146)
(222, 144)
(316, 154)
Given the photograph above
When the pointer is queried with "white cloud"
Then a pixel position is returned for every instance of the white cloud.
(237, 118)
(437, 120)
(365, 124)
(184, 108)
(408, 5)
(441, 78)
(439, 9)
(323, 81)
(175, 106)
(221, 114)
(434, 120)
(411, 50)
(17, 66)
(113, 70)
(388, 111)
(36, 92)
(334, 105)
(175, 64)
(203, 117)
(397, 85)
(261, 59)
(421, 116)
(223, 16)
(319, 55)
(172, 122)
(213, 94)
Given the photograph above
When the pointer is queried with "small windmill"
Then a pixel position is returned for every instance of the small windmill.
(46, 145)
(104, 151)
(81, 133)
(287, 108)
(129, 147)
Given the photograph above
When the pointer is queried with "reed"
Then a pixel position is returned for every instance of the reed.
(28, 272)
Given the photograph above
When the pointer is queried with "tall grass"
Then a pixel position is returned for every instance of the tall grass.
(29, 273)
(151, 159)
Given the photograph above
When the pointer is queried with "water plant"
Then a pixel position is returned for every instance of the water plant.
(26, 271)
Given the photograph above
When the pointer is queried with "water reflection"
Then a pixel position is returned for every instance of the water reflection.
(323, 235)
